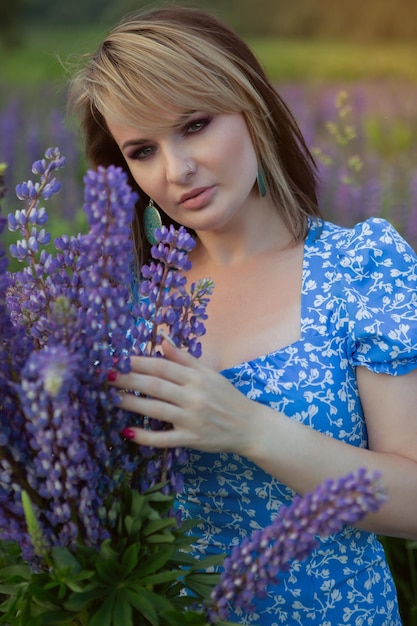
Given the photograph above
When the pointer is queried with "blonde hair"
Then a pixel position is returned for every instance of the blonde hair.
(185, 59)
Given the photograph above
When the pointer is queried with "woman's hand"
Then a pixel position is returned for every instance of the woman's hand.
(205, 410)
(208, 413)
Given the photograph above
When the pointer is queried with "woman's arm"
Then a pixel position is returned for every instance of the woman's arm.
(208, 413)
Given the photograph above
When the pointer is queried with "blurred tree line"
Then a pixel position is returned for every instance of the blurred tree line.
(347, 19)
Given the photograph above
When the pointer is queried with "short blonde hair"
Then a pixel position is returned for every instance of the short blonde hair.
(184, 58)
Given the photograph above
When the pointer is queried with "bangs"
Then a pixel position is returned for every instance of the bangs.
(142, 82)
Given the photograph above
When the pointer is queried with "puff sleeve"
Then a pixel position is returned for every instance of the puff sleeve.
(379, 284)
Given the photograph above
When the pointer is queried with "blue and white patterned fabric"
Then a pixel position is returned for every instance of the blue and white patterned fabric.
(359, 307)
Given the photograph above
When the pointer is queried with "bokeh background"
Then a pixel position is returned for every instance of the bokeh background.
(347, 69)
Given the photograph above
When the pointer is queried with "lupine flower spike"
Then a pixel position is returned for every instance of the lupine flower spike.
(66, 320)
(258, 560)
(168, 311)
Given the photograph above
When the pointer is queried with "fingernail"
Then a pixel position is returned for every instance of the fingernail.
(111, 376)
(128, 433)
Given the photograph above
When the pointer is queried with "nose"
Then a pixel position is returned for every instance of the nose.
(179, 167)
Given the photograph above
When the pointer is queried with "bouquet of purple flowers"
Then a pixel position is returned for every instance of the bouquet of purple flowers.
(88, 530)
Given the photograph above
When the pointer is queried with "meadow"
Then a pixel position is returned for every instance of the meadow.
(355, 105)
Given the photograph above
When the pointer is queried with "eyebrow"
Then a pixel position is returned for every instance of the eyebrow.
(134, 142)
(182, 119)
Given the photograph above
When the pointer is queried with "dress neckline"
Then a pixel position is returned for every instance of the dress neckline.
(312, 234)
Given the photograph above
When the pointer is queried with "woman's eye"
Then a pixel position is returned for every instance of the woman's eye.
(141, 153)
(196, 125)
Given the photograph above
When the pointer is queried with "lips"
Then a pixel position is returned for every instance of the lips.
(197, 198)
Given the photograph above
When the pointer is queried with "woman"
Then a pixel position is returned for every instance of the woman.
(309, 366)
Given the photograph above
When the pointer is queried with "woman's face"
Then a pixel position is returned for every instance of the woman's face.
(201, 173)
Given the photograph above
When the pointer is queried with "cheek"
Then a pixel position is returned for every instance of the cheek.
(240, 158)
(148, 181)
(238, 147)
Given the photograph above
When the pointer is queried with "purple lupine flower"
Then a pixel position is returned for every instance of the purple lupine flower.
(258, 560)
(166, 307)
(69, 319)
(59, 422)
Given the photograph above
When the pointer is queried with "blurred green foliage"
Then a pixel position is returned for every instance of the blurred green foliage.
(47, 52)
(343, 20)
(347, 19)
(402, 557)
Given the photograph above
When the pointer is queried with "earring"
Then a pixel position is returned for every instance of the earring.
(260, 179)
(151, 221)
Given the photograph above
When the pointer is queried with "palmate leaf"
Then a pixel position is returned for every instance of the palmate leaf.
(158, 527)
(79, 601)
(200, 585)
(122, 610)
(148, 604)
(161, 577)
(103, 616)
(156, 561)
(54, 618)
(130, 559)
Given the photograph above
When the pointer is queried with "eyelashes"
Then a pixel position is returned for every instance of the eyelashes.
(141, 153)
(197, 125)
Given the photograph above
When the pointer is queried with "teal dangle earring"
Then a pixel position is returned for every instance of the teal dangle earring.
(151, 221)
(260, 179)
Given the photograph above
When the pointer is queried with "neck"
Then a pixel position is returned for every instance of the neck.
(262, 231)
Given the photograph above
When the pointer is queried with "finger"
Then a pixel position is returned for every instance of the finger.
(165, 369)
(148, 387)
(157, 409)
(176, 355)
(156, 438)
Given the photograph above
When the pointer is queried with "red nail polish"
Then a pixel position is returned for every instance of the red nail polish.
(128, 433)
(111, 376)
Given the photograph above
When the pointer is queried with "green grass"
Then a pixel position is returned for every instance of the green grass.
(290, 59)
(37, 59)
(42, 54)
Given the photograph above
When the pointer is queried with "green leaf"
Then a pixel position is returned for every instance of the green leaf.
(78, 601)
(52, 618)
(181, 618)
(183, 559)
(20, 571)
(122, 611)
(156, 561)
(130, 559)
(108, 572)
(107, 565)
(165, 538)
(157, 526)
(210, 561)
(148, 604)
(161, 577)
(103, 617)
(186, 525)
(143, 606)
(63, 559)
(199, 586)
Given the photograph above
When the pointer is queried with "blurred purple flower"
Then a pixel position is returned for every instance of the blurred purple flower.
(257, 561)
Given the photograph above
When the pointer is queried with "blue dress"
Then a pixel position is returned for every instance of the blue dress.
(359, 307)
